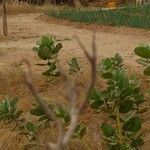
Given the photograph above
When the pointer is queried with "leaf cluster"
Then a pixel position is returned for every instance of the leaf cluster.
(48, 49)
(121, 101)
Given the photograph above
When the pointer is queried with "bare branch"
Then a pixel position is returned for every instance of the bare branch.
(42, 102)
(92, 60)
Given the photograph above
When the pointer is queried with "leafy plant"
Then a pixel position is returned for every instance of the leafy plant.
(144, 53)
(9, 111)
(30, 130)
(59, 111)
(74, 65)
(121, 101)
(48, 50)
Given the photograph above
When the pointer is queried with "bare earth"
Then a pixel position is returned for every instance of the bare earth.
(26, 29)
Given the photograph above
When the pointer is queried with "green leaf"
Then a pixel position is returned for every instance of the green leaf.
(147, 71)
(95, 99)
(107, 75)
(38, 111)
(59, 111)
(121, 79)
(31, 127)
(74, 65)
(125, 93)
(137, 142)
(4, 106)
(48, 41)
(57, 48)
(143, 62)
(142, 51)
(44, 52)
(107, 63)
(107, 130)
(118, 59)
(133, 125)
(126, 106)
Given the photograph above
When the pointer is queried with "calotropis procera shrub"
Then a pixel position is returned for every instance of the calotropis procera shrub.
(48, 49)
(144, 53)
(121, 101)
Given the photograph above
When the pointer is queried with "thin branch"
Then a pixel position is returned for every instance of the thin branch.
(92, 60)
(41, 101)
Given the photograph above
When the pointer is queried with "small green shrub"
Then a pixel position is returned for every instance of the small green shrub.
(144, 53)
(121, 101)
(47, 49)
(30, 130)
(9, 111)
(74, 65)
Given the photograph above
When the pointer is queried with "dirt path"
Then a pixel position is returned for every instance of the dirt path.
(26, 29)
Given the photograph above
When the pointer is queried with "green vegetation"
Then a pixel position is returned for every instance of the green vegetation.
(48, 50)
(9, 113)
(121, 101)
(134, 16)
(74, 65)
(144, 53)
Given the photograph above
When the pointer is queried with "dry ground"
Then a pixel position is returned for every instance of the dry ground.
(24, 31)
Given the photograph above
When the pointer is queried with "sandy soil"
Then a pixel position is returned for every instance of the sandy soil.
(26, 29)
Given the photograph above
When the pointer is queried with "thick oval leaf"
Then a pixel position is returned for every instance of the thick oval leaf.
(57, 48)
(44, 52)
(37, 112)
(126, 106)
(107, 130)
(118, 59)
(143, 62)
(142, 51)
(96, 104)
(133, 125)
(94, 99)
(147, 71)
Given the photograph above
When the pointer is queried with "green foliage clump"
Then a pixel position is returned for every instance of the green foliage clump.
(74, 65)
(144, 53)
(48, 50)
(61, 113)
(121, 101)
(9, 111)
(134, 16)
